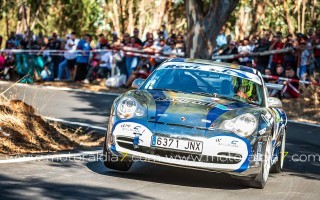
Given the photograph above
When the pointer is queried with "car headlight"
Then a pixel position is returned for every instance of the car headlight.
(243, 125)
(129, 107)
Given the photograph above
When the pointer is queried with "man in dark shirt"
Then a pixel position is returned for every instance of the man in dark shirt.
(262, 61)
(54, 44)
(231, 50)
(136, 36)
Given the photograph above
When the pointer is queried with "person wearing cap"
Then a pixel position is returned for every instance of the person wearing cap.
(169, 49)
(230, 50)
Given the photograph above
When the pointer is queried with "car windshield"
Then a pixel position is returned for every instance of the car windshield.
(205, 83)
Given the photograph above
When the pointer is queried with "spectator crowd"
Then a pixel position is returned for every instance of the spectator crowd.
(300, 61)
(28, 57)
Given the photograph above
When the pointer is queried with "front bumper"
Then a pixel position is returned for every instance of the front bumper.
(222, 151)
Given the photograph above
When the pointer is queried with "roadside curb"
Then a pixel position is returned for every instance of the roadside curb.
(74, 123)
(59, 88)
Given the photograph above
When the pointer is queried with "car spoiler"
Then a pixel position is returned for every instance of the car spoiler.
(273, 86)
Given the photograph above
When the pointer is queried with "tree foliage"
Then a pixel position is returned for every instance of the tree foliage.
(287, 16)
(122, 16)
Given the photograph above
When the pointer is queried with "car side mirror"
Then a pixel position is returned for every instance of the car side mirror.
(137, 83)
(274, 102)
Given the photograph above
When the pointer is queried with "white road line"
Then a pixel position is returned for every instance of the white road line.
(32, 157)
(75, 123)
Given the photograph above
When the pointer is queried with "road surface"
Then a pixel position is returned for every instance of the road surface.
(87, 178)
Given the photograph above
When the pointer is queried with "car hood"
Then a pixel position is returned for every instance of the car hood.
(184, 109)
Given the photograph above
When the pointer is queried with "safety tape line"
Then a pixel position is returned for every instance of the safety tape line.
(289, 80)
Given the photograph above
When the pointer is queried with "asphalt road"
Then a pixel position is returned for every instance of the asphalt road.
(87, 178)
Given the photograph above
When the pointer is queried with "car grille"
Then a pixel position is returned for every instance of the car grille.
(222, 158)
(182, 125)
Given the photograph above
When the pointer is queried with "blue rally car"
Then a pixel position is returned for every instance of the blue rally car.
(201, 115)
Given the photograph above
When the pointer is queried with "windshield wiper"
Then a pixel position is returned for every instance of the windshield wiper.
(235, 99)
(205, 93)
(165, 89)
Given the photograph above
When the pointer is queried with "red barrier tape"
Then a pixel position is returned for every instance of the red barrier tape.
(290, 80)
(127, 50)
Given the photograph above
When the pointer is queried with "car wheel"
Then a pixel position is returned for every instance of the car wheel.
(278, 166)
(261, 179)
(114, 162)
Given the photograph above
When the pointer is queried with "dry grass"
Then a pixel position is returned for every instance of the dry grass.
(23, 131)
(307, 107)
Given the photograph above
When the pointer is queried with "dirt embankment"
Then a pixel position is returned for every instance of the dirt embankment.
(23, 131)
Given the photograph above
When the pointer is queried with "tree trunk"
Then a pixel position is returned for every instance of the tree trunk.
(243, 22)
(123, 20)
(7, 26)
(166, 11)
(142, 18)
(299, 20)
(288, 17)
(257, 15)
(158, 15)
(116, 17)
(203, 28)
(130, 25)
(312, 13)
(303, 19)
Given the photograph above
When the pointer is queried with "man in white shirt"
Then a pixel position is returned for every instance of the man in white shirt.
(244, 50)
(70, 56)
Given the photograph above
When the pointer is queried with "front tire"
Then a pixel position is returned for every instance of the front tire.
(261, 179)
(278, 166)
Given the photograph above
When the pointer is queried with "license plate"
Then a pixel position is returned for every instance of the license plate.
(177, 144)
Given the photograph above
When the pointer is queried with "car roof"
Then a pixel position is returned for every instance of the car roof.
(215, 63)
(220, 67)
